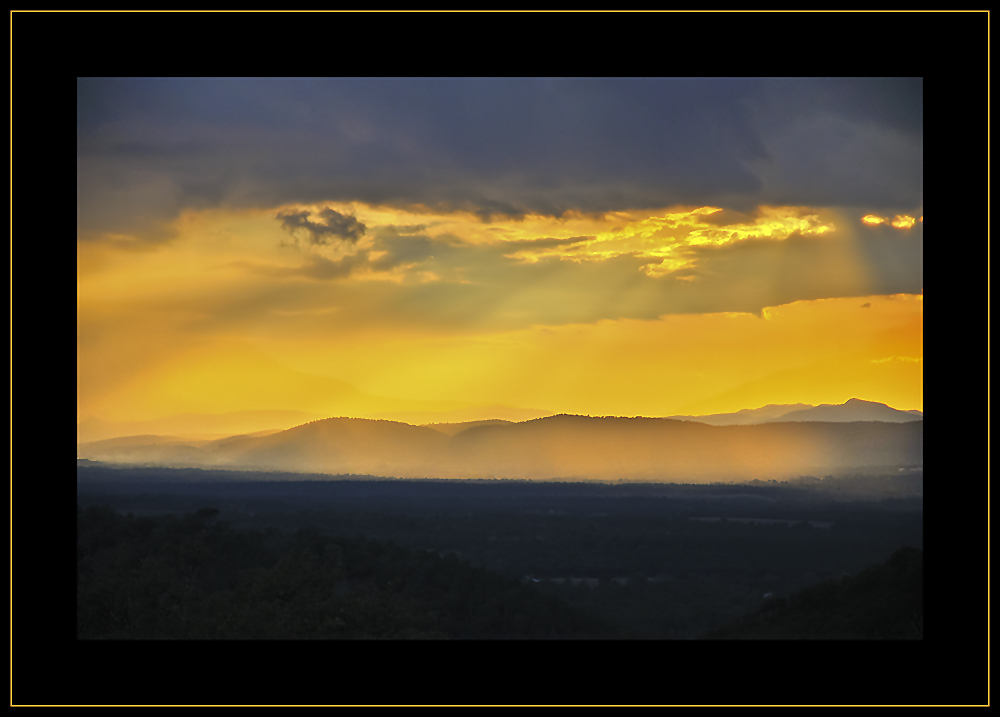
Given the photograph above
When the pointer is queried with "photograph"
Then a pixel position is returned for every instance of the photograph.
(499, 358)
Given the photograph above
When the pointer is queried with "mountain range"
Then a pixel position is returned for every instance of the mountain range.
(852, 410)
(562, 446)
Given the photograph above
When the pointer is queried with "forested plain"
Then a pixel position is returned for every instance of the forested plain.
(167, 553)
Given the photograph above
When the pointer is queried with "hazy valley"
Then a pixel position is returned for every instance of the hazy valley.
(558, 527)
(554, 447)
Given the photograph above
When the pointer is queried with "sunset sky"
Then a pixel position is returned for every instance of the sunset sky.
(457, 249)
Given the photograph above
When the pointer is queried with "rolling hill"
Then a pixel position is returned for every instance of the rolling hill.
(882, 602)
(563, 446)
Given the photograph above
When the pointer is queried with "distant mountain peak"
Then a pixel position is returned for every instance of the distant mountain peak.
(854, 409)
(746, 416)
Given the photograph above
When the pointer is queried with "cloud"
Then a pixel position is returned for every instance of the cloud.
(407, 250)
(866, 305)
(900, 221)
(757, 272)
(389, 250)
(400, 229)
(501, 148)
(546, 242)
(445, 282)
(316, 267)
(335, 225)
(535, 249)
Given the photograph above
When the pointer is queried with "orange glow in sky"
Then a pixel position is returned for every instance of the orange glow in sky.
(437, 316)
(456, 249)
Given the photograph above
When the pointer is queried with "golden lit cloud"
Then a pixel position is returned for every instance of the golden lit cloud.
(426, 311)
(900, 221)
(665, 236)
(661, 240)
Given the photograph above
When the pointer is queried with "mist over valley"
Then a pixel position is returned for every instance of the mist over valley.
(563, 447)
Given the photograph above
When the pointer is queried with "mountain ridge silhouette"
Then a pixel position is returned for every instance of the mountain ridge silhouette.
(854, 409)
(560, 446)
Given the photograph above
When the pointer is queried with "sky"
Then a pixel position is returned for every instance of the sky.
(434, 250)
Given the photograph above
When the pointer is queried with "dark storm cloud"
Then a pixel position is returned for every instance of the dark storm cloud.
(498, 147)
(335, 224)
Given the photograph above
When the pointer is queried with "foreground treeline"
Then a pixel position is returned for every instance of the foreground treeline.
(654, 561)
(882, 602)
(194, 577)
